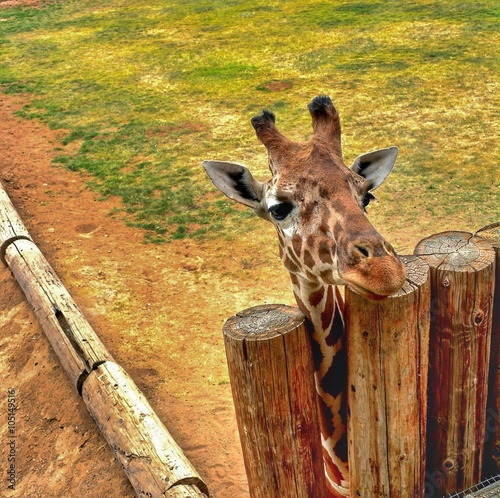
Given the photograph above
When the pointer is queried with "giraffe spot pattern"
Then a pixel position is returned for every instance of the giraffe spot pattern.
(326, 418)
(297, 244)
(333, 380)
(325, 251)
(316, 352)
(328, 312)
(316, 297)
(290, 265)
(309, 261)
(341, 447)
(325, 275)
(336, 331)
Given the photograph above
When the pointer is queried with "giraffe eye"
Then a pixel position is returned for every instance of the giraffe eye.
(281, 211)
(367, 198)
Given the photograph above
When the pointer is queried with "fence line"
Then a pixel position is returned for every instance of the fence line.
(155, 465)
(462, 315)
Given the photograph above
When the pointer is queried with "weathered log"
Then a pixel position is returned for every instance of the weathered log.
(491, 233)
(462, 278)
(272, 381)
(11, 225)
(77, 346)
(387, 388)
(154, 463)
(152, 460)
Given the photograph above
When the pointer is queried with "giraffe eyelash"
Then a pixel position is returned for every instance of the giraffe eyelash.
(367, 198)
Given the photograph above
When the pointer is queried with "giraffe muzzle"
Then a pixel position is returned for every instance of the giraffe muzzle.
(372, 268)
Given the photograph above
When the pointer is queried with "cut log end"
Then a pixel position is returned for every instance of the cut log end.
(417, 273)
(491, 233)
(456, 251)
(263, 322)
(152, 460)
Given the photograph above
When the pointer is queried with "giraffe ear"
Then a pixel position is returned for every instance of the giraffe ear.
(375, 166)
(236, 181)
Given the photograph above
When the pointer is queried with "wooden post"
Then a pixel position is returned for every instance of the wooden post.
(462, 278)
(271, 372)
(387, 364)
(491, 233)
(154, 464)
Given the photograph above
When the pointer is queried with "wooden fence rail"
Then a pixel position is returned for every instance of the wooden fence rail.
(462, 282)
(153, 462)
(418, 366)
(387, 349)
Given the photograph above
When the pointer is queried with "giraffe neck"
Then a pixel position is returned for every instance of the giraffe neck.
(322, 305)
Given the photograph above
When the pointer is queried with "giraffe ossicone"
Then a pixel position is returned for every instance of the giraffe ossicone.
(317, 205)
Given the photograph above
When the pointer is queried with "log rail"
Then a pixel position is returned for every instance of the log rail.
(462, 282)
(152, 460)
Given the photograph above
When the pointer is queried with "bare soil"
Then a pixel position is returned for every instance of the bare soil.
(158, 309)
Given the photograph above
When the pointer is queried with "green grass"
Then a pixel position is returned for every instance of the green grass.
(150, 89)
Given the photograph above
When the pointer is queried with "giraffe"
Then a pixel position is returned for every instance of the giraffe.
(318, 207)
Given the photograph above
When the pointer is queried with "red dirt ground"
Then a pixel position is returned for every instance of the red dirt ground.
(158, 309)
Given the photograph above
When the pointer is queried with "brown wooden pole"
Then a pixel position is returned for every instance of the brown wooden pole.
(387, 347)
(462, 278)
(77, 346)
(491, 233)
(153, 462)
(272, 380)
(142, 445)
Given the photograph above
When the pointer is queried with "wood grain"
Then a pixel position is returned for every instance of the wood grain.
(271, 373)
(387, 364)
(491, 233)
(462, 279)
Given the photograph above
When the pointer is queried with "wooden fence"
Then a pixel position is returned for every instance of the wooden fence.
(155, 465)
(423, 388)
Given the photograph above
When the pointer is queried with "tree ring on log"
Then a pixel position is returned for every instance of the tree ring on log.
(267, 321)
(455, 251)
(491, 233)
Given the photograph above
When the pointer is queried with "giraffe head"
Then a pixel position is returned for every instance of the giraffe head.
(317, 204)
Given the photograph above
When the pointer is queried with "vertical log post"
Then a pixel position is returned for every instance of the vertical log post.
(492, 441)
(271, 373)
(387, 364)
(462, 278)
